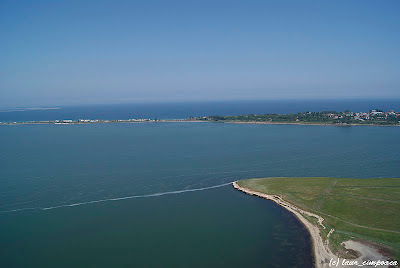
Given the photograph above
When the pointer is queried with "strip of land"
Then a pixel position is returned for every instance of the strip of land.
(373, 117)
(346, 118)
(341, 225)
(78, 122)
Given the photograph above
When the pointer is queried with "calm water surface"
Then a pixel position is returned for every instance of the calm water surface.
(185, 109)
(61, 188)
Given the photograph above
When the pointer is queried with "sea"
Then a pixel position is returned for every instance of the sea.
(159, 195)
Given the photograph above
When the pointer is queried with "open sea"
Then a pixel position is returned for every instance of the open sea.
(158, 194)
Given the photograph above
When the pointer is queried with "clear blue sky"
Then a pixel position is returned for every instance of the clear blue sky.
(76, 52)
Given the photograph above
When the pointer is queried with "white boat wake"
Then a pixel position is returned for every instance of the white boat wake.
(117, 199)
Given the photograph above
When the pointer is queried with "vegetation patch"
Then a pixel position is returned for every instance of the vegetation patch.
(360, 209)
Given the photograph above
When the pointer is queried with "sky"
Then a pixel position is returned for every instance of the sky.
(84, 52)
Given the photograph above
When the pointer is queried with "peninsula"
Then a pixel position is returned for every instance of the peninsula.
(373, 117)
(346, 118)
(351, 221)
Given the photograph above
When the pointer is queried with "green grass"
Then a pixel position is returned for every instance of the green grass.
(367, 209)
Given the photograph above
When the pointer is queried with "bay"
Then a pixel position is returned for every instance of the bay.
(156, 194)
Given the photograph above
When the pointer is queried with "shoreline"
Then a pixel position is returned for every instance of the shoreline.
(189, 121)
(99, 122)
(309, 124)
(320, 248)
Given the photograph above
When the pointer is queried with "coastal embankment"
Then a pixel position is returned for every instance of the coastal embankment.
(323, 256)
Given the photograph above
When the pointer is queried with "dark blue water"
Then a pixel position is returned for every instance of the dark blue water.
(140, 194)
(184, 110)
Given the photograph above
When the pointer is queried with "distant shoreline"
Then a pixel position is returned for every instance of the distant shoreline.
(312, 124)
(62, 122)
(325, 118)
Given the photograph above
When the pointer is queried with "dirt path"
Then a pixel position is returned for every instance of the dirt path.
(370, 198)
(322, 197)
(361, 226)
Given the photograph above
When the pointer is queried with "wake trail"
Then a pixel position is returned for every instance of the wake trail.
(118, 199)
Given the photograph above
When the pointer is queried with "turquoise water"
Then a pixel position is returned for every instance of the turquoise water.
(154, 194)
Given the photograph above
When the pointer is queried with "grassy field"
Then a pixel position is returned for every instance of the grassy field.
(366, 209)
